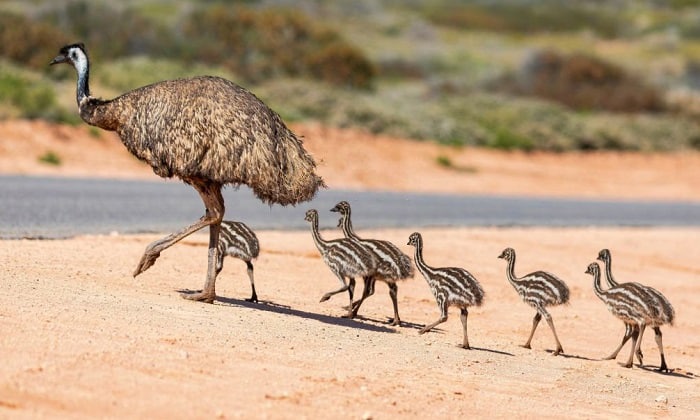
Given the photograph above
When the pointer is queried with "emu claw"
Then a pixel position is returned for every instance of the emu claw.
(325, 298)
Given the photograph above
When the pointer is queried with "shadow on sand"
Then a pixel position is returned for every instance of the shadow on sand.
(286, 310)
(677, 373)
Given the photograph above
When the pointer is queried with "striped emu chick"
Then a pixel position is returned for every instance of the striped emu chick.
(663, 312)
(451, 286)
(392, 264)
(539, 290)
(345, 257)
(629, 303)
(239, 241)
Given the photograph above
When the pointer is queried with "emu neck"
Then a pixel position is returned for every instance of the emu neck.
(608, 273)
(83, 89)
(510, 271)
(346, 226)
(420, 263)
(320, 243)
(596, 285)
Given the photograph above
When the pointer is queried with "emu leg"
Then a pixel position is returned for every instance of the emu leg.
(639, 342)
(463, 316)
(663, 367)
(208, 293)
(254, 297)
(535, 321)
(345, 286)
(393, 293)
(351, 292)
(628, 334)
(559, 349)
(635, 337)
(214, 204)
(366, 292)
(443, 318)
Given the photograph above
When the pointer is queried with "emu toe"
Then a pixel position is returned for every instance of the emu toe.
(199, 297)
(147, 260)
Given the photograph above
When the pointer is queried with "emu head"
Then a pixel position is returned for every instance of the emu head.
(415, 239)
(343, 208)
(508, 254)
(311, 215)
(604, 255)
(74, 54)
(593, 268)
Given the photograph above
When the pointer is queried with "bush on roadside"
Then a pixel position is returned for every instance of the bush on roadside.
(263, 44)
(26, 42)
(582, 82)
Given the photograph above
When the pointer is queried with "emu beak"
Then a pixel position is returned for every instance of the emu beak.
(335, 209)
(58, 60)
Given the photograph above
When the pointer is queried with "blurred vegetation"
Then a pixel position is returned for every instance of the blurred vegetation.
(50, 158)
(582, 82)
(510, 74)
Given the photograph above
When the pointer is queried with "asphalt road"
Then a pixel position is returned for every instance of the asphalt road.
(42, 207)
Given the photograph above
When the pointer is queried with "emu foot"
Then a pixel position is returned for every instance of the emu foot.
(395, 322)
(627, 365)
(199, 296)
(465, 347)
(253, 299)
(147, 260)
(611, 357)
(423, 330)
(558, 351)
(526, 346)
(325, 297)
(664, 369)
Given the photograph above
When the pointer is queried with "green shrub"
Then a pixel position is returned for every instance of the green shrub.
(259, 45)
(117, 31)
(33, 100)
(528, 17)
(27, 42)
(582, 82)
(50, 158)
(342, 65)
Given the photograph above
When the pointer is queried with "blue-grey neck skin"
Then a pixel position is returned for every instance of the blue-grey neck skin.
(82, 66)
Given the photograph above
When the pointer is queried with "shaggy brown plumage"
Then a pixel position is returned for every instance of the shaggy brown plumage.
(209, 132)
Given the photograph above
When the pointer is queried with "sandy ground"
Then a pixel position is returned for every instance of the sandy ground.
(81, 338)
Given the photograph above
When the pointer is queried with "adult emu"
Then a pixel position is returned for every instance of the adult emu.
(209, 132)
